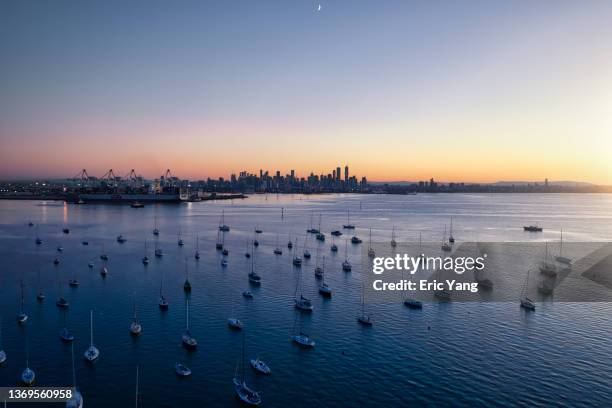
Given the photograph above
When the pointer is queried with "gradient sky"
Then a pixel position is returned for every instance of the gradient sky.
(407, 90)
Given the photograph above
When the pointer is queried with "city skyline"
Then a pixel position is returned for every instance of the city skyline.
(478, 92)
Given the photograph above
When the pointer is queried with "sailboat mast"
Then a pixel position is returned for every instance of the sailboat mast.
(136, 386)
(91, 327)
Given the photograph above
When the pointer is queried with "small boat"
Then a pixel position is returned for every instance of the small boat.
(137, 204)
(121, 239)
(442, 295)
(92, 353)
(158, 251)
(66, 335)
(247, 294)
(255, 243)
(319, 270)
(73, 283)
(336, 233)
(38, 241)
(56, 261)
(224, 263)
(334, 248)
(290, 245)
(325, 290)
(76, 401)
(225, 252)
(40, 296)
(189, 342)
(303, 304)
(393, 241)
(413, 304)
(182, 370)
(30, 224)
(22, 317)
(234, 323)
(254, 278)
(135, 326)
(103, 271)
(222, 226)
(346, 266)
(320, 237)
(258, 231)
(60, 248)
(103, 256)
(180, 241)
(297, 261)
(356, 240)
(28, 376)
(348, 224)
(446, 247)
(548, 268)
(244, 392)
(261, 367)
(527, 303)
(145, 258)
(220, 239)
(307, 254)
(84, 242)
(90, 264)
(533, 228)
(278, 251)
(303, 340)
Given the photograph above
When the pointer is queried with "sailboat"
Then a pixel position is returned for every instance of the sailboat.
(371, 252)
(163, 303)
(446, 246)
(320, 236)
(65, 334)
(74, 282)
(260, 366)
(411, 303)
(2, 352)
(158, 251)
(258, 230)
(189, 342)
(219, 244)
(348, 224)
(103, 255)
(548, 268)
(312, 229)
(104, 270)
(393, 241)
(222, 226)
(451, 239)
(526, 302)
(180, 241)
(306, 254)
(364, 319)
(27, 375)
(254, 278)
(121, 239)
(300, 337)
(135, 326)
(318, 271)
(324, 288)
(346, 265)
(302, 303)
(234, 322)
(155, 229)
(277, 250)
(297, 260)
(187, 284)
(197, 251)
(76, 401)
(334, 247)
(244, 392)
(92, 353)
(22, 317)
(560, 258)
(247, 253)
(224, 250)
(38, 240)
(145, 258)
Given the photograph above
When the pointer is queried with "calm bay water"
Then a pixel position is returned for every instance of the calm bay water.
(453, 354)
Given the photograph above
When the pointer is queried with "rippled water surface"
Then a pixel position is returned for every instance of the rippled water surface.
(453, 354)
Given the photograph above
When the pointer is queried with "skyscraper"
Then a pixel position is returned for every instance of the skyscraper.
(346, 174)
(338, 174)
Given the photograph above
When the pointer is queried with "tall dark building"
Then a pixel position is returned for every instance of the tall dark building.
(346, 174)
(338, 174)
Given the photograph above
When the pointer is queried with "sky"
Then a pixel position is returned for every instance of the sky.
(474, 91)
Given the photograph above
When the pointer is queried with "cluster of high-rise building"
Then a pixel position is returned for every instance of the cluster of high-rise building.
(335, 181)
